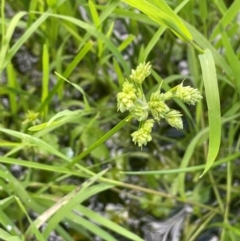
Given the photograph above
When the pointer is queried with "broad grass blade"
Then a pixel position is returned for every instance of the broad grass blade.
(161, 13)
(213, 103)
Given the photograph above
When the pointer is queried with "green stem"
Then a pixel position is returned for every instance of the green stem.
(232, 131)
(215, 190)
(162, 194)
(100, 141)
(196, 47)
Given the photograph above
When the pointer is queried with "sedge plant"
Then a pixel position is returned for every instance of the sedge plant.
(210, 29)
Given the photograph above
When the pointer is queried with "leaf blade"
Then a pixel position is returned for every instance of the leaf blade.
(213, 103)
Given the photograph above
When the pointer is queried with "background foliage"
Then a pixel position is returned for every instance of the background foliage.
(69, 170)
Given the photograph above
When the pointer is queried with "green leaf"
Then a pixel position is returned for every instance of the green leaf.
(45, 77)
(155, 38)
(93, 31)
(7, 38)
(58, 211)
(205, 44)
(92, 227)
(107, 223)
(161, 13)
(26, 34)
(226, 19)
(36, 232)
(213, 103)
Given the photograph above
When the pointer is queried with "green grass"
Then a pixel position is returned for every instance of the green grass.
(60, 125)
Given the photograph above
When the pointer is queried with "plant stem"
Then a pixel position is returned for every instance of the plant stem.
(100, 141)
(196, 47)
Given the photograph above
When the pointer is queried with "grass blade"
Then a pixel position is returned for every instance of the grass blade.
(27, 34)
(6, 39)
(45, 79)
(226, 19)
(66, 204)
(36, 232)
(213, 103)
(161, 13)
(12, 83)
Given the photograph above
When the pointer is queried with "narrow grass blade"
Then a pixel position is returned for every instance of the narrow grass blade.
(8, 224)
(12, 83)
(66, 204)
(31, 140)
(45, 79)
(185, 169)
(205, 44)
(40, 166)
(27, 34)
(100, 141)
(92, 227)
(87, 106)
(8, 237)
(36, 232)
(107, 223)
(19, 190)
(35, 141)
(93, 31)
(125, 43)
(96, 20)
(221, 6)
(213, 103)
(7, 38)
(226, 19)
(59, 119)
(80, 55)
(118, 71)
(4, 235)
(231, 57)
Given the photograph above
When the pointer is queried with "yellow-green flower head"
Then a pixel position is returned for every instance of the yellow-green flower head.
(140, 110)
(126, 98)
(143, 135)
(31, 116)
(148, 125)
(157, 106)
(143, 70)
(174, 119)
(166, 96)
(188, 94)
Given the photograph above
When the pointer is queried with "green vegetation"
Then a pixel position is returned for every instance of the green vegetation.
(69, 168)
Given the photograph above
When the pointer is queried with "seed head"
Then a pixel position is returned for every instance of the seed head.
(143, 70)
(126, 98)
(143, 135)
(140, 110)
(174, 119)
(188, 94)
(157, 106)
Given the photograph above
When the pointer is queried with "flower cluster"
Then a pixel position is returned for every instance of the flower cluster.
(127, 97)
(187, 94)
(143, 70)
(132, 99)
(143, 135)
